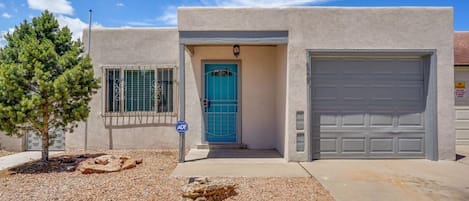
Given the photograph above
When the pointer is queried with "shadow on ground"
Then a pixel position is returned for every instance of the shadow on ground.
(62, 163)
(459, 157)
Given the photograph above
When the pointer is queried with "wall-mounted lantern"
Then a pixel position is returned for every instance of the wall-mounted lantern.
(236, 50)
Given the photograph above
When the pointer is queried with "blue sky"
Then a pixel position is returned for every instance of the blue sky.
(150, 13)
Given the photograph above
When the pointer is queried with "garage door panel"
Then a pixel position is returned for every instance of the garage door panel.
(411, 69)
(461, 124)
(462, 114)
(328, 120)
(385, 119)
(353, 145)
(387, 145)
(365, 108)
(353, 120)
(327, 145)
(380, 92)
(324, 67)
(382, 145)
(410, 145)
(326, 93)
(462, 134)
(410, 92)
(353, 92)
(411, 120)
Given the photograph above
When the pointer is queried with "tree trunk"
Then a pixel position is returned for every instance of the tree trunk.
(45, 146)
(45, 135)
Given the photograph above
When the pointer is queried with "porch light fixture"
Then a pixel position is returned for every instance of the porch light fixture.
(236, 50)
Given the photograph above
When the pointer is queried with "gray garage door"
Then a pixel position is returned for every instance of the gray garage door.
(368, 108)
(34, 142)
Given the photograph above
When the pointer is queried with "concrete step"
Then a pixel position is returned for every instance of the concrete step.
(221, 146)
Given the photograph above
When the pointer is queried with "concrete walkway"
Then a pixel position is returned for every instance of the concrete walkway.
(13, 160)
(370, 180)
(237, 163)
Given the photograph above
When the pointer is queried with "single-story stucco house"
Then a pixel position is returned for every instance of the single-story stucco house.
(309, 82)
(461, 80)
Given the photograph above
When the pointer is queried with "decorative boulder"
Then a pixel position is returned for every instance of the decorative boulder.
(203, 189)
(107, 163)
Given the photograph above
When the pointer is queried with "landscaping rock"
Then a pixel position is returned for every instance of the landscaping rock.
(107, 163)
(203, 189)
(128, 164)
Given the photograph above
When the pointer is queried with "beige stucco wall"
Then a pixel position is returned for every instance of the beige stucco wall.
(343, 28)
(258, 91)
(309, 28)
(145, 46)
(11, 143)
(462, 108)
(280, 86)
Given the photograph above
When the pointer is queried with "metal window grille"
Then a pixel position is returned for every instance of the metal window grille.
(164, 89)
(113, 85)
(139, 90)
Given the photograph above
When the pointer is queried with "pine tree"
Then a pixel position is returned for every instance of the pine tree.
(46, 80)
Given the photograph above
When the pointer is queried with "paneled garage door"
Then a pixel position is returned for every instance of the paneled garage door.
(368, 107)
(34, 142)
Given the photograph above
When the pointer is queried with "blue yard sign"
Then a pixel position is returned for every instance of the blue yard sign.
(182, 127)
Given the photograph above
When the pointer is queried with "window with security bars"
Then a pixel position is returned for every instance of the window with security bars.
(142, 90)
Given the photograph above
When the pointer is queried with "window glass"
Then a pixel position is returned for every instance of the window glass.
(139, 90)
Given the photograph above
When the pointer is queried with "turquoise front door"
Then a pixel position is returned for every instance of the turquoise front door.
(221, 102)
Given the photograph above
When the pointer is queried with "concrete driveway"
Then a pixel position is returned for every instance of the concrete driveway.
(392, 179)
(346, 180)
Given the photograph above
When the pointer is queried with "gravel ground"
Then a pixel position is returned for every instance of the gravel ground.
(5, 153)
(148, 181)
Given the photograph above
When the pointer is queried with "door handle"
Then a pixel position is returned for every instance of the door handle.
(206, 103)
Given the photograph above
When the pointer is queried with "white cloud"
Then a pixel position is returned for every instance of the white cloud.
(169, 16)
(75, 25)
(6, 15)
(55, 6)
(3, 41)
(120, 4)
(260, 3)
(140, 24)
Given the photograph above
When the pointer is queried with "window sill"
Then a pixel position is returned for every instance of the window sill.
(139, 114)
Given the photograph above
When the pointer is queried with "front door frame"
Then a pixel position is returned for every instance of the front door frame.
(239, 111)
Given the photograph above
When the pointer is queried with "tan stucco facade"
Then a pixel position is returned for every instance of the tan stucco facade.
(120, 47)
(12, 143)
(343, 28)
(273, 76)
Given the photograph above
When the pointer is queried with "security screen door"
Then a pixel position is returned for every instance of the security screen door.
(221, 102)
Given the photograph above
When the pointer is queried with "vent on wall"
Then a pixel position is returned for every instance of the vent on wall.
(300, 142)
(300, 136)
(300, 120)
